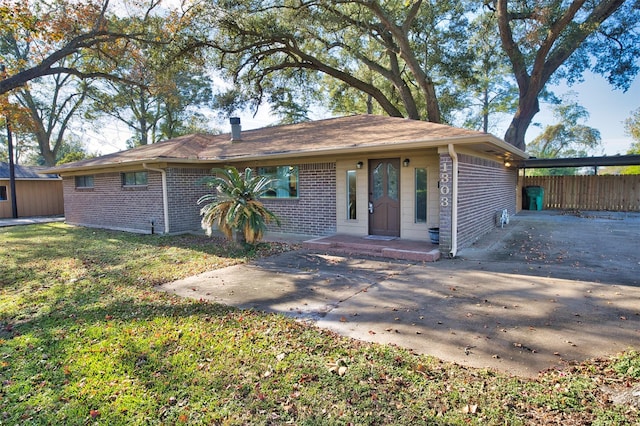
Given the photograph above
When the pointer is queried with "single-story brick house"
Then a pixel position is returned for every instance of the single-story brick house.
(357, 175)
(37, 194)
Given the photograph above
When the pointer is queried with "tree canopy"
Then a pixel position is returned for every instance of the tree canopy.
(410, 57)
(451, 61)
(632, 126)
(568, 137)
(166, 100)
(388, 52)
(101, 31)
(56, 53)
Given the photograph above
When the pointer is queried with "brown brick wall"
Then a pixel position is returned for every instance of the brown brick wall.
(185, 189)
(109, 205)
(485, 187)
(314, 211)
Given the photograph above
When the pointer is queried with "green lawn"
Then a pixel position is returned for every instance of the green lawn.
(85, 339)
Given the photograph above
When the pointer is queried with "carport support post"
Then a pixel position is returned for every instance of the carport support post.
(445, 197)
(12, 168)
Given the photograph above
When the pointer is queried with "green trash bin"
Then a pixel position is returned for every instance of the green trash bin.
(534, 196)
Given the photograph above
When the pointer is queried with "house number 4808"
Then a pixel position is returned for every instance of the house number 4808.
(445, 182)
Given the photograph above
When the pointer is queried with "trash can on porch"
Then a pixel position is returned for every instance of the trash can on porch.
(533, 197)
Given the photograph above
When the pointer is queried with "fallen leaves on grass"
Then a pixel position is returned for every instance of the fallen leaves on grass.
(470, 409)
(107, 341)
(338, 367)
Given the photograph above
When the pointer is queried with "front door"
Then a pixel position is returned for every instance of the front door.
(384, 197)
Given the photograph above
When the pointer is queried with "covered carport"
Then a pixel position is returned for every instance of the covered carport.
(594, 162)
(583, 192)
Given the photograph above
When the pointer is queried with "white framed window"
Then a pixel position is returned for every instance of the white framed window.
(421, 195)
(351, 195)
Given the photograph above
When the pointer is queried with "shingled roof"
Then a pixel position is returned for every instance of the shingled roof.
(24, 172)
(329, 136)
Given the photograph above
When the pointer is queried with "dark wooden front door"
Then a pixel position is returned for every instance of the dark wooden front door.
(384, 197)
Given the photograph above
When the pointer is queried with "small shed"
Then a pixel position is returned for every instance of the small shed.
(36, 194)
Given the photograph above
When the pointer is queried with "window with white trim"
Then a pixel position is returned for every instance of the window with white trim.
(421, 195)
(351, 194)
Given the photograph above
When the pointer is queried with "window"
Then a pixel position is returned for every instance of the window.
(385, 181)
(84, 181)
(134, 179)
(351, 194)
(3, 193)
(284, 181)
(421, 195)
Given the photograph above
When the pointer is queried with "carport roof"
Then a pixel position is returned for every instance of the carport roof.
(615, 160)
(344, 135)
(25, 172)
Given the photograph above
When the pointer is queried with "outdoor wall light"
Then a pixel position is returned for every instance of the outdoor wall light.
(507, 163)
(406, 162)
(359, 164)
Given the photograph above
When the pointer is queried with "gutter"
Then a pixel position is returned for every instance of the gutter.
(454, 202)
(165, 195)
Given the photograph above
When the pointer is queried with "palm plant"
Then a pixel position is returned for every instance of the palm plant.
(235, 208)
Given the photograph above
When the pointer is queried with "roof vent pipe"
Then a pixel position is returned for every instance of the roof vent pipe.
(235, 129)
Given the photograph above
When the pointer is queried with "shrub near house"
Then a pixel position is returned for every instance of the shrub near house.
(235, 207)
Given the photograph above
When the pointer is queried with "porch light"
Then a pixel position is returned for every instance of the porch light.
(406, 162)
(359, 164)
(507, 163)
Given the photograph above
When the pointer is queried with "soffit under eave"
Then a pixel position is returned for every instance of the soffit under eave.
(112, 167)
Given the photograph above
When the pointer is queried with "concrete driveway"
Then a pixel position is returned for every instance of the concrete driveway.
(547, 290)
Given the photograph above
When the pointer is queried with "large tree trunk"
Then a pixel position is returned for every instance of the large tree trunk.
(48, 155)
(485, 110)
(551, 53)
(424, 81)
(528, 107)
(433, 107)
(403, 88)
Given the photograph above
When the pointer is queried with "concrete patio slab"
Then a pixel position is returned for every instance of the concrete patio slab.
(548, 290)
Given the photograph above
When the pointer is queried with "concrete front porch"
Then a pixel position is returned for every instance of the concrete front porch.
(421, 251)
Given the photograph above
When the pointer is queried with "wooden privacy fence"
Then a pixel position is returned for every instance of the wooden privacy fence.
(599, 192)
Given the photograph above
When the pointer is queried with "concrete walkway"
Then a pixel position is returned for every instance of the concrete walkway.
(547, 290)
(30, 220)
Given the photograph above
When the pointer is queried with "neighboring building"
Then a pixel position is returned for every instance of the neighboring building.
(358, 175)
(37, 194)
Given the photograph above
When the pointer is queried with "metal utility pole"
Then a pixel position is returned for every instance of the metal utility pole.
(12, 167)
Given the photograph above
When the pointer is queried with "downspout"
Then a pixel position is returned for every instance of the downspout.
(454, 202)
(165, 195)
